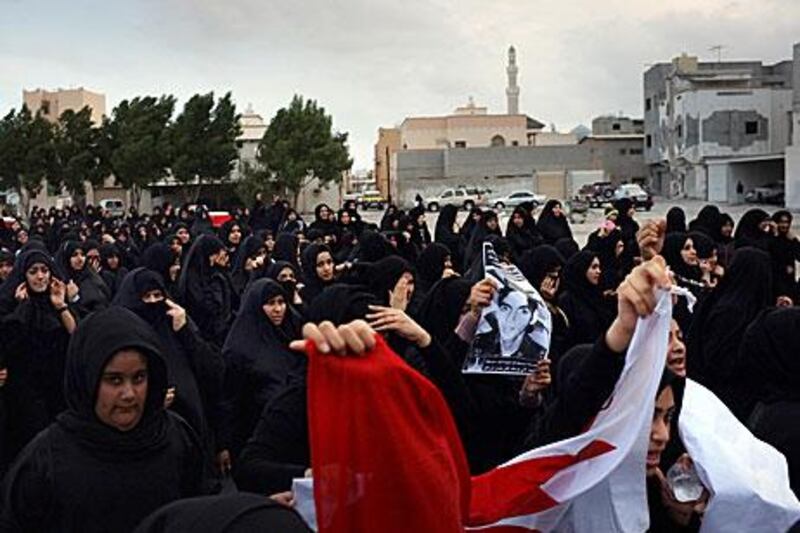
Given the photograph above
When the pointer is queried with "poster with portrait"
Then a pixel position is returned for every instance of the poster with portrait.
(513, 331)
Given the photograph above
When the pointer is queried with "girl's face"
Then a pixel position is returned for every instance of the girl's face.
(676, 351)
(324, 266)
(235, 235)
(345, 218)
(275, 309)
(619, 248)
(183, 235)
(659, 430)
(286, 274)
(557, 210)
(688, 253)
(517, 219)
(38, 277)
(727, 230)
(593, 273)
(77, 260)
(492, 224)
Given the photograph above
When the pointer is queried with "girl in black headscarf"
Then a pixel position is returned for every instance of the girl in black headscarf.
(162, 259)
(521, 232)
(471, 222)
(720, 322)
(431, 266)
(205, 289)
(35, 337)
(676, 220)
(93, 294)
(609, 245)
(420, 235)
(286, 247)
(258, 360)
(553, 224)
(292, 222)
(753, 230)
(111, 268)
(248, 260)
(318, 271)
(323, 221)
(232, 234)
(543, 267)
(770, 389)
(681, 256)
(446, 233)
(115, 455)
(785, 251)
(194, 367)
(588, 312)
(707, 221)
(489, 224)
(388, 218)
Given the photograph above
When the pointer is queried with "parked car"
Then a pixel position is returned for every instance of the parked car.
(115, 206)
(640, 197)
(774, 193)
(466, 197)
(596, 194)
(518, 197)
(372, 199)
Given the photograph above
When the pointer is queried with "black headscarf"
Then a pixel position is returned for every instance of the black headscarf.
(551, 227)
(748, 232)
(479, 235)
(676, 220)
(445, 234)
(430, 265)
(612, 265)
(313, 284)
(341, 304)
(96, 340)
(442, 307)
(522, 238)
(37, 310)
(197, 271)
(536, 263)
(373, 246)
(159, 258)
(673, 244)
(285, 248)
(567, 247)
(248, 249)
(383, 275)
(707, 221)
(575, 278)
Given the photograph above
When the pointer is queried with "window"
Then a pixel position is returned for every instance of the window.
(648, 141)
(679, 130)
(461, 144)
(514, 143)
(447, 194)
(622, 151)
(751, 127)
(615, 126)
(239, 144)
(648, 104)
(498, 140)
(45, 108)
(635, 151)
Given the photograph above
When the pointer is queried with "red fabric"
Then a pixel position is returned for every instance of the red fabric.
(514, 490)
(385, 452)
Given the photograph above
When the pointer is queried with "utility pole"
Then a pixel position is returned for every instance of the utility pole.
(718, 48)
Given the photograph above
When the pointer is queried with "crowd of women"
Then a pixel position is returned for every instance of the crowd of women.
(147, 358)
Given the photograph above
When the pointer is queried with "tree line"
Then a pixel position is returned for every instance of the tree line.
(140, 143)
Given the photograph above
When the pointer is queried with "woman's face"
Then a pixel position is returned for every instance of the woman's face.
(286, 274)
(324, 213)
(557, 210)
(593, 273)
(513, 317)
(345, 218)
(727, 230)
(122, 393)
(38, 277)
(183, 235)
(517, 219)
(275, 309)
(324, 266)
(77, 260)
(219, 259)
(619, 248)
(659, 430)
(492, 224)
(235, 235)
(174, 270)
(676, 351)
(154, 296)
(688, 253)
(113, 262)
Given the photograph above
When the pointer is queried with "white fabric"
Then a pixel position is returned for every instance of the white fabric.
(748, 479)
(608, 492)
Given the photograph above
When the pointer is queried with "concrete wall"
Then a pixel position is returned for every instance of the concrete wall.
(476, 130)
(66, 99)
(388, 143)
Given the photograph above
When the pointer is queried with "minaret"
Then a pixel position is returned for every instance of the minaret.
(512, 91)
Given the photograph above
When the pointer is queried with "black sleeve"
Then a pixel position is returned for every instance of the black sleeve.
(582, 397)
(28, 492)
(279, 448)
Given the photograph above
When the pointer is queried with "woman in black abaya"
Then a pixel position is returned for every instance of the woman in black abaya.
(35, 337)
(248, 260)
(446, 233)
(194, 367)
(543, 267)
(258, 360)
(588, 312)
(488, 225)
(93, 293)
(753, 229)
(318, 271)
(204, 288)
(521, 232)
(553, 224)
(111, 268)
(286, 246)
(115, 455)
(163, 260)
(232, 234)
(722, 318)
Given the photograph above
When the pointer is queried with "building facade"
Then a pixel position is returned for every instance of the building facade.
(388, 143)
(51, 104)
(714, 130)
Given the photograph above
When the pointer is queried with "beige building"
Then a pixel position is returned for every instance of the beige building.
(388, 143)
(51, 104)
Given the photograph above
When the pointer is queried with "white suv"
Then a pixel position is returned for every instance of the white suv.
(466, 197)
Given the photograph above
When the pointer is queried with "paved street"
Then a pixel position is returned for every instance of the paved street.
(581, 230)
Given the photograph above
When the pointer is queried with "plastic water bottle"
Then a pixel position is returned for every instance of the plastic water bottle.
(684, 482)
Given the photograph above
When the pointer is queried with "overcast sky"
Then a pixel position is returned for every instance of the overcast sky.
(371, 63)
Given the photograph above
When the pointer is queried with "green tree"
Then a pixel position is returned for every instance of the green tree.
(298, 146)
(77, 154)
(136, 142)
(26, 153)
(203, 140)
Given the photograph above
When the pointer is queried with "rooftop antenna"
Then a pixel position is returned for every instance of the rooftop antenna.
(718, 48)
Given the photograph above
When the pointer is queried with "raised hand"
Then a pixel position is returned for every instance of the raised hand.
(651, 238)
(390, 319)
(356, 337)
(177, 313)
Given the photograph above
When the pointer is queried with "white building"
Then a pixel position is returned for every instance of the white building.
(714, 130)
(792, 167)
